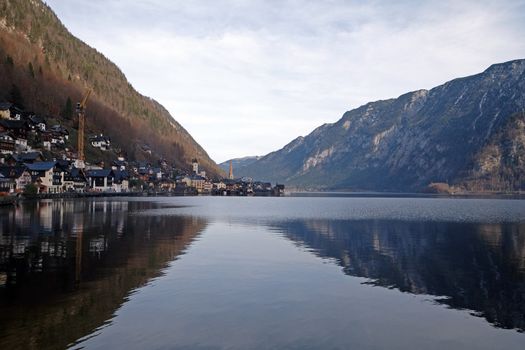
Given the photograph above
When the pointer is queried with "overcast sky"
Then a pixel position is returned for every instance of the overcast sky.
(245, 77)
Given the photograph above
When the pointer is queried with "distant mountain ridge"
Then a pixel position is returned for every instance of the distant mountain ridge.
(48, 65)
(238, 163)
(458, 133)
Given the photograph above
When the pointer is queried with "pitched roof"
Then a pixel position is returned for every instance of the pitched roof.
(4, 134)
(36, 119)
(64, 164)
(229, 181)
(12, 172)
(121, 175)
(59, 129)
(40, 166)
(197, 177)
(75, 174)
(13, 124)
(5, 106)
(27, 156)
(100, 173)
(99, 138)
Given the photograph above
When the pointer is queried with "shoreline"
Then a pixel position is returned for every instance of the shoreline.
(100, 194)
(13, 200)
(375, 194)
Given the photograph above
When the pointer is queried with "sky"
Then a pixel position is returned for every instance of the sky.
(245, 77)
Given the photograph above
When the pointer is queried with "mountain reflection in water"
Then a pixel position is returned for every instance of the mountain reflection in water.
(262, 273)
(480, 267)
(66, 266)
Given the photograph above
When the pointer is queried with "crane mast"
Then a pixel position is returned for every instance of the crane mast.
(81, 107)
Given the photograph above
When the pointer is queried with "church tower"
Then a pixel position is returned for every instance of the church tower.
(231, 171)
(195, 165)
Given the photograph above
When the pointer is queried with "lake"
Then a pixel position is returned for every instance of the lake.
(263, 273)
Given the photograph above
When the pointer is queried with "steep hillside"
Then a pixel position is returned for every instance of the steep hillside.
(500, 164)
(406, 143)
(42, 65)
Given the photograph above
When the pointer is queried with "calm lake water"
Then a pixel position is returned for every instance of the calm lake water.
(263, 273)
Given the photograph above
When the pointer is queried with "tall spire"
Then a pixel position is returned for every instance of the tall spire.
(195, 165)
(231, 171)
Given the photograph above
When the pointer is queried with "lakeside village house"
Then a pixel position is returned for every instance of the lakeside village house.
(25, 137)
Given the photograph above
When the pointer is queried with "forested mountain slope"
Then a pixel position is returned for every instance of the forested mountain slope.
(42, 64)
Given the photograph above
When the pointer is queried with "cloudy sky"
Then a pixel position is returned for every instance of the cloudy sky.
(245, 77)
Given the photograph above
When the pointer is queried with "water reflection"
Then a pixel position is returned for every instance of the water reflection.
(480, 267)
(66, 266)
(85, 272)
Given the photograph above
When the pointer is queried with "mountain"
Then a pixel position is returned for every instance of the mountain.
(43, 68)
(238, 163)
(500, 164)
(468, 132)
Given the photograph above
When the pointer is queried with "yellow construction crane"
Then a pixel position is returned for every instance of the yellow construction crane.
(81, 106)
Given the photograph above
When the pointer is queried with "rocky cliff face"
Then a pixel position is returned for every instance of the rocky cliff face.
(408, 142)
(500, 165)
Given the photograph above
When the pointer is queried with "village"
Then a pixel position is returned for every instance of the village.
(37, 159)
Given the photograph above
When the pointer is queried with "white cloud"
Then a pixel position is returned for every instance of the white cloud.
(246, 77)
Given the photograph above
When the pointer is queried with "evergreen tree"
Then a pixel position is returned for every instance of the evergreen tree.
(9, 61)
(15, 97)
(67, 112)
(31, 70)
